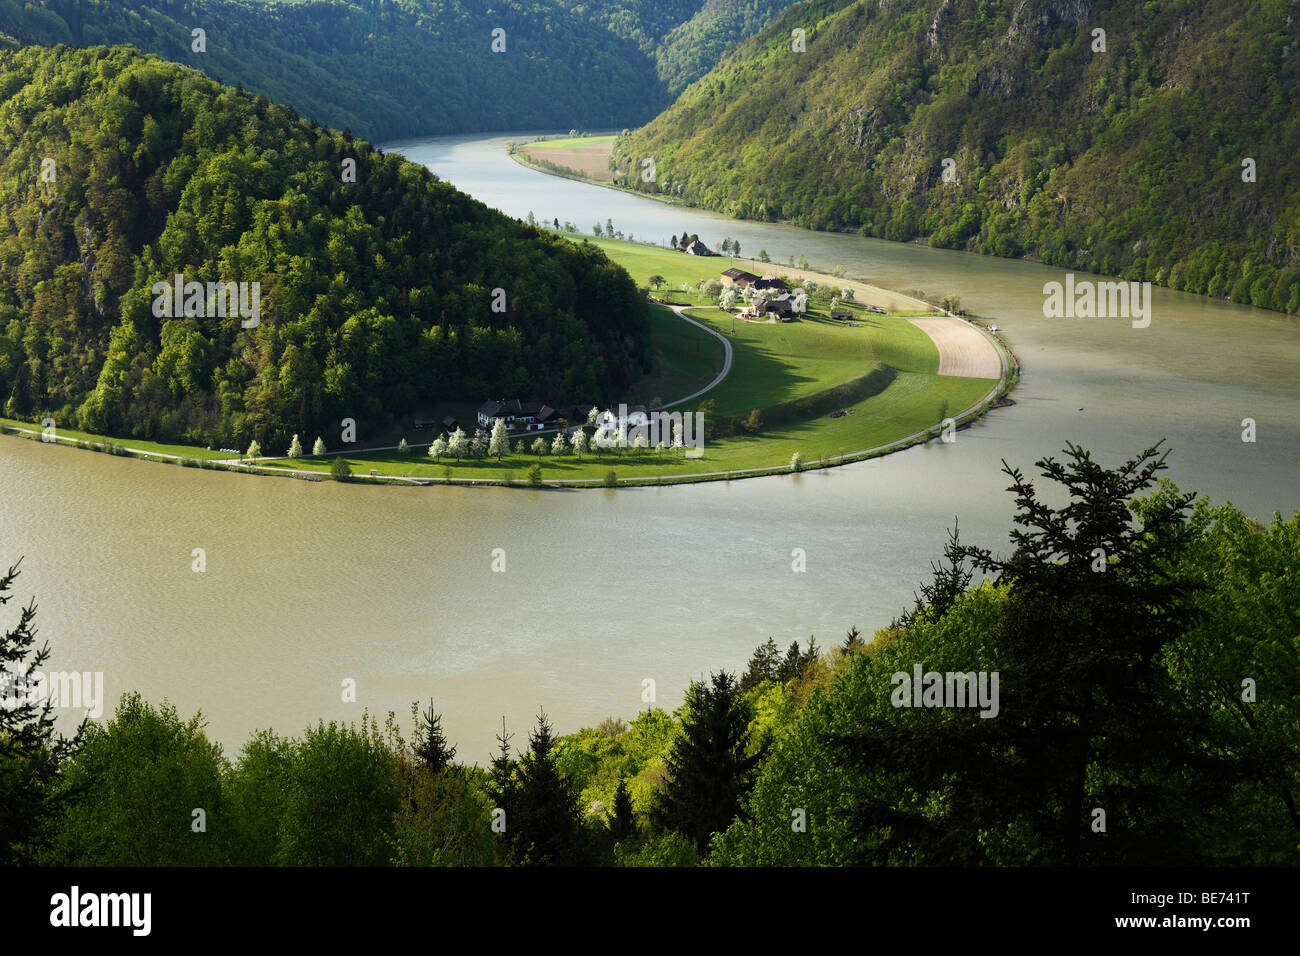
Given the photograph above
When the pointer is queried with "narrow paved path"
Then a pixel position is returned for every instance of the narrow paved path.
(726, 358)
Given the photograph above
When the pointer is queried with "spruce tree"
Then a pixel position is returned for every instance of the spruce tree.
(431, 747)
(853, 641)
(546, 829)
(501, 777)
(709, 772)
(762, 666)
(796, 661)
(1087, 719)
(622, 824)
(31, 752)
(947, 582)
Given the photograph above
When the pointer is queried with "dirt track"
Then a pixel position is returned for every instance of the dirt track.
(963, 349)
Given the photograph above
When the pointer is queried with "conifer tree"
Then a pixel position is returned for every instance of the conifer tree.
(763, 665)
(546, 827)
(709, 771)
(31, 752)
(1087, 720)
(853, 640)
(947, 582)
(501, 776)
(432, 747)
(622, 825)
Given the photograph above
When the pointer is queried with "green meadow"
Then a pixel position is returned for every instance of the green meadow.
(773, 363)
(571, 142)
(821, 388)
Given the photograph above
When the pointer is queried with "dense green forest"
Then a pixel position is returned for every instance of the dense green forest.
(121, 171)
(691, 49)
(389, 69)
(1147, 647)
(1152, 140)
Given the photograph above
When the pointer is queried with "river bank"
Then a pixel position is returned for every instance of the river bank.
(784, 367)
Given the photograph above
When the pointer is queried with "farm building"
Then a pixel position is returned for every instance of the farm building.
(738, 277)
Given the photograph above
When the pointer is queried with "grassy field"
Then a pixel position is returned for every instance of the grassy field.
(686, 360)
(772, 363)
(64, 435)
(911, 403)
(572, 142)
(884, 368)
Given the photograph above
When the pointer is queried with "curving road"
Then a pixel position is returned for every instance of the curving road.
(726, 359)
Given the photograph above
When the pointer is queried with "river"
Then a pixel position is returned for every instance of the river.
(311, 584)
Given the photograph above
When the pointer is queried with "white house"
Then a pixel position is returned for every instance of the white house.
(610, 421)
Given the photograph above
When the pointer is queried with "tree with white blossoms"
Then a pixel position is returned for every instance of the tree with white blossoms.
(478, 445)
(579, 442)
(659, 449)
(847, 294)
(254, 450)
(539, 446)
(641, 443)
(835, 303)
(559, 445)
(318, 449)
(796, 462)
(811, 285)
(458, 445)
(499, 444)
(677, 434)
(593, 415)
(519, 448)
(727, 300)
(800, 303)
(438, 448)
(295, 448)
(403, 448)
(620, 438)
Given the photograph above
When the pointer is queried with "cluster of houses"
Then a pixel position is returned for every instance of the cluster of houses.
(522, 417)
(781, 304)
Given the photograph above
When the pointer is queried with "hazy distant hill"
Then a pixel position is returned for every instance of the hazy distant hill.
(118, 171)
(1123, 161)
(394, 68)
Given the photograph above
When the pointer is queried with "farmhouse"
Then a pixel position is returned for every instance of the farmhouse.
(518, 416)
(609, 421)
(697, 248)
(769, 282)
(738, 277)
(782, 307)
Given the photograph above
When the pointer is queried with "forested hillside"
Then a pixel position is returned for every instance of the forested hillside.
(120, 171)
(694, 46)
(1128, 160)
(395, 68)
